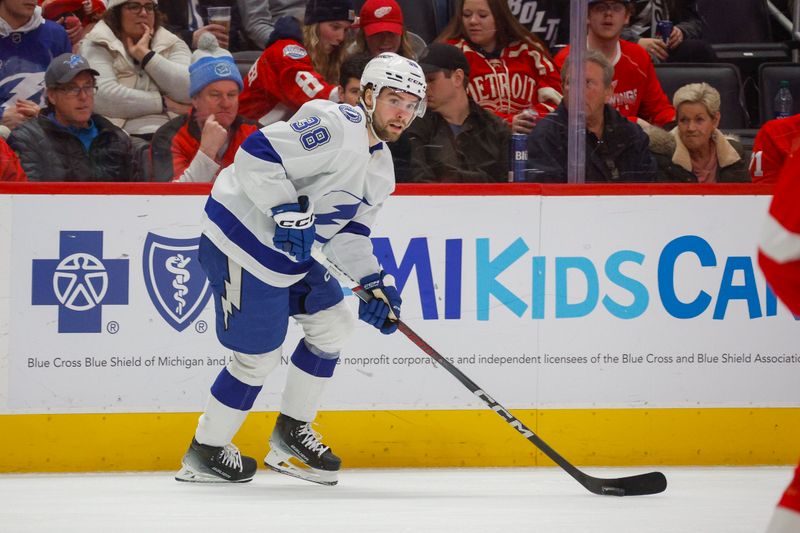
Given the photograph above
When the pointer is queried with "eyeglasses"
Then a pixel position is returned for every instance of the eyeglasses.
(74, 90)
(136, 7)
(604, 7)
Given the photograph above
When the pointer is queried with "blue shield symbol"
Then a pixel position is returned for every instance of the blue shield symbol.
(177, 285)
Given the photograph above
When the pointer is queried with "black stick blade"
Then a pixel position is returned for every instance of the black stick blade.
(639, 485)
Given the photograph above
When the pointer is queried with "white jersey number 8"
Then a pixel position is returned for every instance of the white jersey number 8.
(308, 83)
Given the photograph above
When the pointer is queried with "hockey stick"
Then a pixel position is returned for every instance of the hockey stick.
(641, 484)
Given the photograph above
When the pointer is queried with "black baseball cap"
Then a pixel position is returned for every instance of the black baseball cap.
(64, 68)
(441, 56)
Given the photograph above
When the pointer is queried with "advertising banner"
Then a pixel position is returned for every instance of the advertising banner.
(545, 301)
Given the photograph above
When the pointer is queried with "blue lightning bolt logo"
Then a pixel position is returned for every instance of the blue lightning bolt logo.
(343, 211)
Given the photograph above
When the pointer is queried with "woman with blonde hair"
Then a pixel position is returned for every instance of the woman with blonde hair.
(511, 71)
(143, 68)
(300, 62)
(696, 150)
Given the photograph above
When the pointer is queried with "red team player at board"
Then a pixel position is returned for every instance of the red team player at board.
(779, 258)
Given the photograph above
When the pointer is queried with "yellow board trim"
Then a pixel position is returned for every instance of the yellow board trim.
(597, 437)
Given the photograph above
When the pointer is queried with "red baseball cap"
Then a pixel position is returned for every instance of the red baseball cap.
(380, 15)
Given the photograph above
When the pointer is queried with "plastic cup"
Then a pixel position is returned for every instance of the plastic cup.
(221, 16)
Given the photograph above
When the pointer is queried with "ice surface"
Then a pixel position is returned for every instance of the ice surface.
(541, 500)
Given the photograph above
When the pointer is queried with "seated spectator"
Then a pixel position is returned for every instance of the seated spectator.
(510, 68)
(775, 142)
(425, 18)
(547, 19)
(350, 78)
(381, 29)
(616, 148)
(300, 63)
(68, 141)
(457, 140)
(10, 169)
(77, 16)
(637, 92)
(196, 146)
(28, 43)
(143, 67)
(696, 151)
(685, 43)
(260, 16)
(188, 19)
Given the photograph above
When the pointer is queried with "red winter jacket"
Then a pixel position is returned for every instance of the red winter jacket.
(779, 250)
(283, 78)
(522, 77)
(10, 168)
(176, 143)
(637, 91)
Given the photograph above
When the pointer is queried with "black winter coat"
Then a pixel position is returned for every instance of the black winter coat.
(50, 153)
(478, 154)
(682, 12)
(621, 156)
(176, 13)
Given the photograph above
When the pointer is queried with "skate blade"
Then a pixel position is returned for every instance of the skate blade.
(285, 464)
(186, 474)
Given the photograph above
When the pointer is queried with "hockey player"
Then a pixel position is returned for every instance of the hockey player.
(320, 177)
(779, 258)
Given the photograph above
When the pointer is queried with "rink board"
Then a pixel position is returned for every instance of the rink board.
(624, 325)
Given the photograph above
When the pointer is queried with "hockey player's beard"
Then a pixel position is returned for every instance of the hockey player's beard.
(384, 132)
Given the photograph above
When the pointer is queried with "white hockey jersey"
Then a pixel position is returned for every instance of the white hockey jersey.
(322, 152)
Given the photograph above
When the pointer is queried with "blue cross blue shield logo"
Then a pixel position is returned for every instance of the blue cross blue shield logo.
(176, 282)
(80, 282)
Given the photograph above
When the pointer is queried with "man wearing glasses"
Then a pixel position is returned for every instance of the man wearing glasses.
(637, 92)
(68, 141)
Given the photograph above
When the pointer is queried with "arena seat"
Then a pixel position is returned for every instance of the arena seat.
(740, 29)
(770, 76)
(724, 77)
(245, 59)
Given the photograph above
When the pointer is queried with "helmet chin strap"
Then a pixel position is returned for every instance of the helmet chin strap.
(369, 111)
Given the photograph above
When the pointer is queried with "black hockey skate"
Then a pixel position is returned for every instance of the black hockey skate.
(296, 450)
(216, 464)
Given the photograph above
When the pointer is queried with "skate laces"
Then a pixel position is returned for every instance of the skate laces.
(230, 457)
(311, 439)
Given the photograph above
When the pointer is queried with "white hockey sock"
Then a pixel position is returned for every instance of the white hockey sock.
(302, 394)
(219, 423)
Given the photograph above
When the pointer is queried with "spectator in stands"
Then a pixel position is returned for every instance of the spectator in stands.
(425, 18)
(68, 141)
(685, 43)
(28, 43)
(350, 78)
(696, 151)
(637, 92)
(510, 68)
(616, 148)
(380, 29)
(10, 169)
(143, 67)
(188, 19)
(548, 19)
(196, 146)
(301, 63)
(77, 16)
(457, 140)
(260, 16)
(775, 142)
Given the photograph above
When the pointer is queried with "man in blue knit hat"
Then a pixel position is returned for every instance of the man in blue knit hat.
(195, 147)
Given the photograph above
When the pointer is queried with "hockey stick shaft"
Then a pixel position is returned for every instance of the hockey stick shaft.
(650, 483)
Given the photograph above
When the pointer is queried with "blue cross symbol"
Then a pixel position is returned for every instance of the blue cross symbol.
(80, 282)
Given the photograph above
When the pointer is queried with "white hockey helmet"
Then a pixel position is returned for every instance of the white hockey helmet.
(398, 73)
